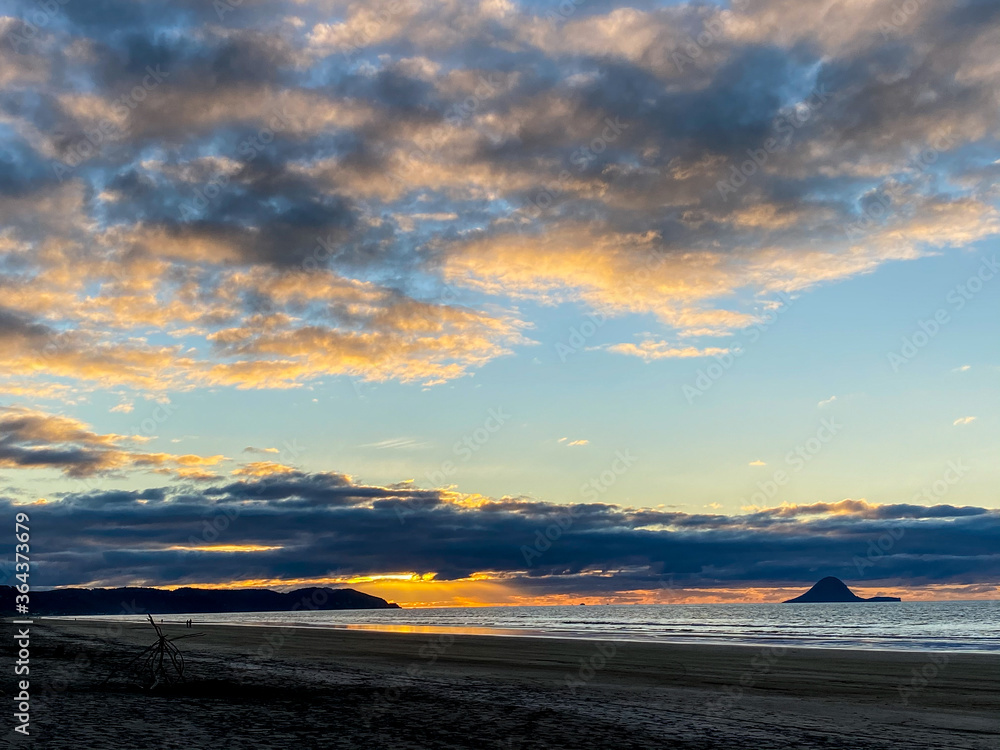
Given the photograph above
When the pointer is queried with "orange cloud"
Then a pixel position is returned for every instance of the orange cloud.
(263, 469)
(32, 439)
(343, 326)
(226, 548)
(652, 350)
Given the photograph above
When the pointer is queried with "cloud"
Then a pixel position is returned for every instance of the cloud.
(757, 462)
(401, 443)
(32, 439)
(963, 421)
(374, 193)
(652, 350)
(262, 328)
(574, 443)
(263, 469)
(826, 402)
(329, 525)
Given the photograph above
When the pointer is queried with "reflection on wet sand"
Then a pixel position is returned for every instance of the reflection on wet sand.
(452, 629)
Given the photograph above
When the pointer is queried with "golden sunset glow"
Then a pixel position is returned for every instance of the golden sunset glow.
(226, 548)
(491, 589)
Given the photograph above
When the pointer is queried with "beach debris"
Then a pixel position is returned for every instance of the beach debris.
(160, 663)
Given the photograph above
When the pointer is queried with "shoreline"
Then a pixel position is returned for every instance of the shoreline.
(706, 640)
(417, 690)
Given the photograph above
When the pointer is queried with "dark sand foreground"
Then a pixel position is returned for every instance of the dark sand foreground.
(358, 689)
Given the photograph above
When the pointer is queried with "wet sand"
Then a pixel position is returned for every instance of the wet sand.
(256, 687)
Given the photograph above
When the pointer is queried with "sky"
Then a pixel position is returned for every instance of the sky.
(497, 302)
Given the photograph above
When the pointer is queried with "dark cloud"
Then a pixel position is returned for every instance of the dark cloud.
(327, 525)
(14, 324)
(32, 440)
(35, 440)
(22, 170)
(118, 498)
(242, 57)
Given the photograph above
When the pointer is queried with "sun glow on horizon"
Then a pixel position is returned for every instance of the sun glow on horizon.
(225, 548)
(486, 589)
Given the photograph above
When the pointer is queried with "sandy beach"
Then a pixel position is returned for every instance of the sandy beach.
(256, 687)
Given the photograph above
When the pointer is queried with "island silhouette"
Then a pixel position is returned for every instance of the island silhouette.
(75, 601)
(832, 589)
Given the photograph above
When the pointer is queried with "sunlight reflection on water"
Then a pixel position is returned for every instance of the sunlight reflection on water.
(967, 626)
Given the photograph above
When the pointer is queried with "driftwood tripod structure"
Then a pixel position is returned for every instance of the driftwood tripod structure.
(162, 662)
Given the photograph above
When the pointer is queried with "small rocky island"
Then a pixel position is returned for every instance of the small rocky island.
(832, 589)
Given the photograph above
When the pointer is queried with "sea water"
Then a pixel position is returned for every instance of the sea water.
(957, 625)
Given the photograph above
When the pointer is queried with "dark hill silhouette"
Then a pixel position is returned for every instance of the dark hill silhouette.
(189, 600)
(832, 589)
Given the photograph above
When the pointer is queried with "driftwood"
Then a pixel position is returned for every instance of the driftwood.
(160, 663)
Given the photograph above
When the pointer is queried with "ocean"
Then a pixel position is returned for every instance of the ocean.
(935, 626)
